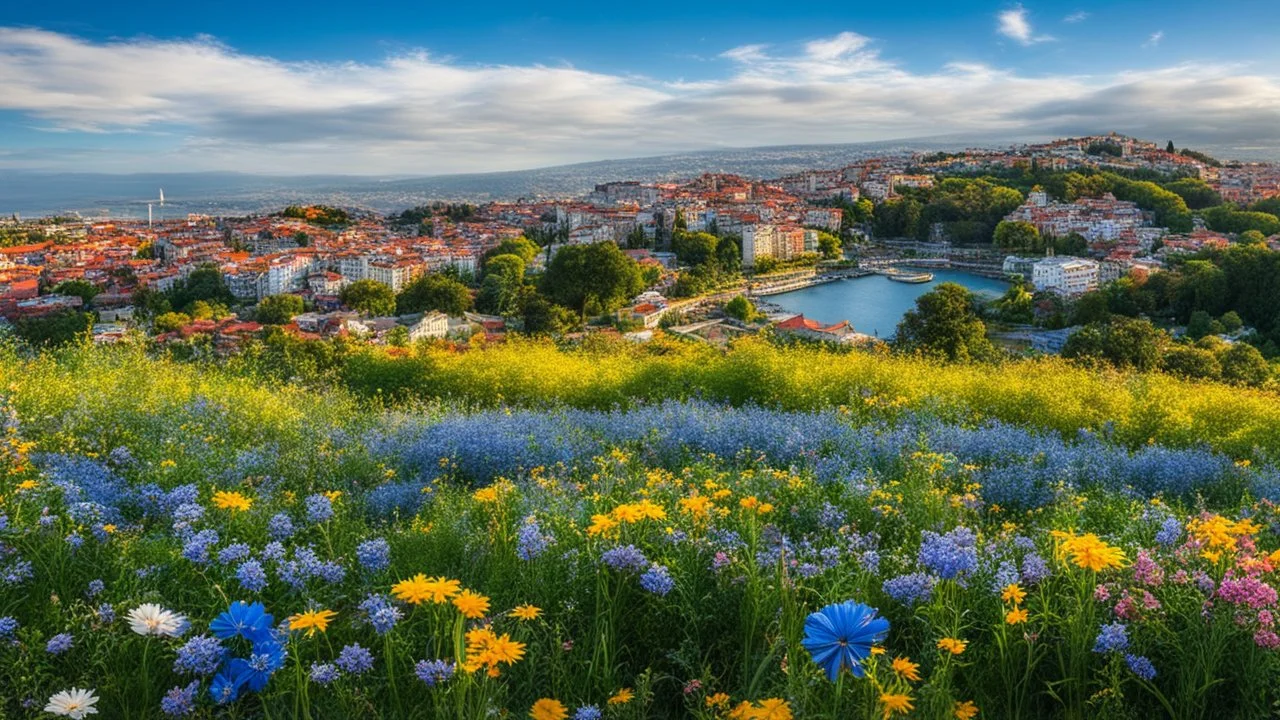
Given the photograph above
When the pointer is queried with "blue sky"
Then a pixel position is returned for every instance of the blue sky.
(394, 87)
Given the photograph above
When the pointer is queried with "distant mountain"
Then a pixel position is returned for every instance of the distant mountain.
(219, 193)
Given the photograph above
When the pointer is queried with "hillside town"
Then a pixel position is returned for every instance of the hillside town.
(777, 225)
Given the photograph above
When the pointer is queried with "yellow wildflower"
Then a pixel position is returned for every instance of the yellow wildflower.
(311, 621)
(231, 500)
(954, 646)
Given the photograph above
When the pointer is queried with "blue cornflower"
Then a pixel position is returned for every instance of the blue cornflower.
(910, 589)
(233, 553)
(75, 541)
(319, 508)
(374, 555)
(1111, 638)
(324, 673)
(180, 701)
(251, 576)
(331, 572)
(226, 686)
(266, 658)
(354, 659)
(59, 643)
(248, 621)
(587, 712)
(1170, 531)
(8, 626)
(842, 634)
(280, 527)
(201, 655)
(1140, 666)
(433, 672)
(273, 552)
(657, 580)
(95, 588)
(627, 557)
(382, 615)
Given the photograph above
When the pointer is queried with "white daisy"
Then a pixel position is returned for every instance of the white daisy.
(151, 619)
(74, 703)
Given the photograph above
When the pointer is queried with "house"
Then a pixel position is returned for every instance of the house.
(1065, 275)
(801, 326)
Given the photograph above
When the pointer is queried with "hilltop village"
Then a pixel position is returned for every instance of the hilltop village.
(1060, 220)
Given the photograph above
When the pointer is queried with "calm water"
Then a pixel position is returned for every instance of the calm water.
(875, 304)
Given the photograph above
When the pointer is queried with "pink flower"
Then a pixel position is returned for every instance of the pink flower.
(1146, 571)
(1247, 591)
(1149, 601)
(1101, 593)
(1265, 619)
(1266, 639)
(1126, 609)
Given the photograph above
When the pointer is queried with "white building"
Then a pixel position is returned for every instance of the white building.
(758, 241)
(1065, 275)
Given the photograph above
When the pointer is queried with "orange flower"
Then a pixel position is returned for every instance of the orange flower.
(472, 605)
(1015, 616)
(907, 669)
(965, 710)
(952, 645)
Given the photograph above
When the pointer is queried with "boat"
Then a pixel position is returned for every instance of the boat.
(908, 277)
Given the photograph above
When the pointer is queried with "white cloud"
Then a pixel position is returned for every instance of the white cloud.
(1155, 39)
(1076, 17)
(210, 107)
(1013, 24)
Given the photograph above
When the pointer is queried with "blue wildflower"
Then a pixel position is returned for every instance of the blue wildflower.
(433, 672)
(323, 673)
(233, 553)
(267, 657)
(251, 576)
(95, 588)
(319, 508)
(59, 643)
(657, 580)
(627, 557)
(587, 712)
(951, 555)
(106, 613)
(1170, 532)
(1140, 666)
(374, 555)
(225, 687)
(1111, 638)
(196, 548)
(280, 527)
(354, 659)
(201, 655)
(180, 701)
(532, 542)
(8, 626)
(910, 589)
(380, 613)
(841, 635)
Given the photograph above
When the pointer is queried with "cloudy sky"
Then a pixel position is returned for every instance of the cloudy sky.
(383, 88)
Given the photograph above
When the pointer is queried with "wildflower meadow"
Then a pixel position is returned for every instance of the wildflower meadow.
(194, 540)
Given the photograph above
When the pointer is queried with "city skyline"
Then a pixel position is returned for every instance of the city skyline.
(391, 89)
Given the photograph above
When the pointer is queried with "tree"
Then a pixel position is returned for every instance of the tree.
(1196, 193)
(740, 308)
(1252, 237)
(369, 297)
(543, 317)
(694, 248)
(1169, 148)
(829, 245)
(1015, 306)
(1199, 325)
(52, 330)
(434, 292)
(82, 289)
(1090, 308)
(1231, 321)
(171, 322)
(1017, 235)
(1244, 365)
(1192, 362)
(522, 247)
(592, 276)
(279, 309)
(1123, 342)
(503, 278)
(204, 283)
(944, 324)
